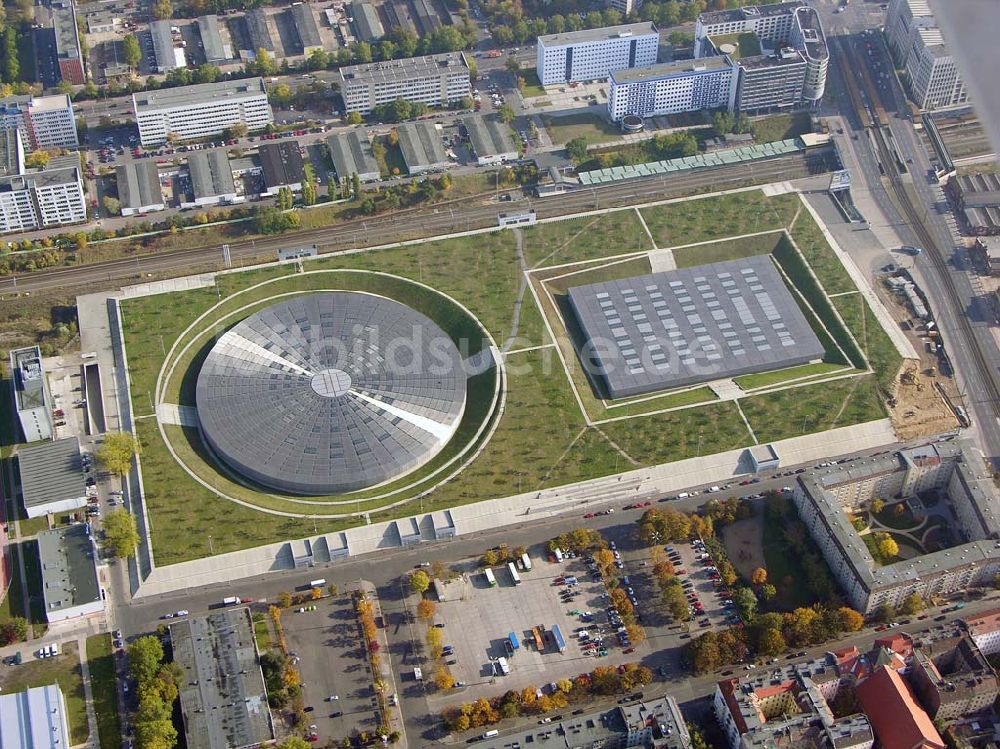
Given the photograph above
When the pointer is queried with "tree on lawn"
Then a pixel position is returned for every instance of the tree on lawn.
(144, 657)
(768, 591)
(771, 643)
(419, 581)
(121, 532)
(116, 453)
(888, 548)
(443, 678)
(759, 576)
(877, 506)
(13, 630)
(850, 620)
(132, 51)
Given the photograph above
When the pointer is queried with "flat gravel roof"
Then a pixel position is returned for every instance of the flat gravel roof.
(51, 472)
(331, 392)
(691, 325)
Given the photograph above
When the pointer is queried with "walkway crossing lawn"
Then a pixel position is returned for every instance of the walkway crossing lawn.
(64, 670)
(781, 127)
(586, 238)
(813, 408)
(591, 127)
(700, 220)
(874, 341)
(104, 688)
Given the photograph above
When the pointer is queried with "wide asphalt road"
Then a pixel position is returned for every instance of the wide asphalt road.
(443, 218)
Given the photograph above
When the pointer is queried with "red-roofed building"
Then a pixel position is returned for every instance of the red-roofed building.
(898, 642)
(985, 631)
(897, 718)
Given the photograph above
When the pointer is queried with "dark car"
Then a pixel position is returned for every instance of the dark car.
(336, 714)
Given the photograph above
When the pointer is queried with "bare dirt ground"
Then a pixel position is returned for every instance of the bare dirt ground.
(919, 408)
(744, 542)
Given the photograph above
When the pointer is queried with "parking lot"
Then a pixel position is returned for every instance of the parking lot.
(332, 662)
(700, 580)
(478, 620)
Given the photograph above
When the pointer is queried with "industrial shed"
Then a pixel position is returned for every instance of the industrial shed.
(352, 154)
(420, 143)
(490, 139)
(139, 187)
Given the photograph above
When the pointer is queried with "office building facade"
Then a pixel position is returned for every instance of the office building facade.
(918, 46)
(672, 87)
(434, 80)
(38, 199)
(46, 122)
(771, 83)
(592, 54)
(201, 111)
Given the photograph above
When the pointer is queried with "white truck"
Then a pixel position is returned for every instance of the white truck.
(503, 666)
(230, 600)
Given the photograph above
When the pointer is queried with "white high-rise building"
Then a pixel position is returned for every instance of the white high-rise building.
(44, 121)
(593, 54)
(36, 199)
(918, 46)
(435, 80)
(771, 23)
(672, 87)
(201, 111)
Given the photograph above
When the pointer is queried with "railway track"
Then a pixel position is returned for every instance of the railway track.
(444, 218)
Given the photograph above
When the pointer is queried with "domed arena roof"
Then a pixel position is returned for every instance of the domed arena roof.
(330, 392)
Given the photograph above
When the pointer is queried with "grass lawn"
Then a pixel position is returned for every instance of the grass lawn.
(33, 570)
(585, 238)
(813, 408)
(890, 519)
(746, 43)
(727, 249)
(874, 341)
(262, 631)
(532, 86)
(821, 258)
(64, 670)
(784, 570)
(806, 371)
(104, 686)
(781, 126)
(591, 127)
(731, 215)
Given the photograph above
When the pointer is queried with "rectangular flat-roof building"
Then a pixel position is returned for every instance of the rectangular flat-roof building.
(771, 82)
(352, 154)
(38, 198)
(435, 80)
(420, 143)
(260, 34)
(51, 476)
(216, 50)
(212, 180)
(490, 139)
(367, 24)
(68, 53)
(672, 87)
(690, 325)
(201, 111)
(32, 402)
(593, 53)
(70, 583)
(163, 46)
(305, 27)
(34, 718)
(223, 701)
(283, 166)
(139, 187)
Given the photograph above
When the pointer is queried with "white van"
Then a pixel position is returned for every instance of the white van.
(54, 649)
(683, 495)
(491, 734)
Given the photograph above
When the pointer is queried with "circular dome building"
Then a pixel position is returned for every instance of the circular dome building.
(330, 392)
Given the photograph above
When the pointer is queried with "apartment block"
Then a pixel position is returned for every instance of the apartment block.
(672, 87)
(592, 54)
(985, 631)
(952, 678)
(954, 471)
(68, 52)
(45, 122)
(435, 80)
(788, 706)
(201, 111)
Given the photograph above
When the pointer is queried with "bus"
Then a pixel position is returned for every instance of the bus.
(490, 577)
(513, 573)
(526, 562)
(536, 632)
